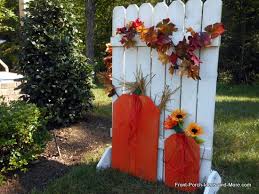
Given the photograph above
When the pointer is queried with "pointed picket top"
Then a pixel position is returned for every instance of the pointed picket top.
(119, 15)
(144, 53)
(193, 14)
(132, 13)
(145, 14)
(212, 13)
(176, 13)
(160, 13)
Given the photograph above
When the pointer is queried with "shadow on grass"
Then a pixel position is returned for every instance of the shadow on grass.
(236, 110)
(242, 171)
(38, 176)
(236, 142)
(250, 91)
(85, 179)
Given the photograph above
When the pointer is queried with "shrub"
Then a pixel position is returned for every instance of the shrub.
(22, 136)
(57, 74)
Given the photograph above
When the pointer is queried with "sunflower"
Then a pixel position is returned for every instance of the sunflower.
(170, 123)
(193, 130)
(178, 115)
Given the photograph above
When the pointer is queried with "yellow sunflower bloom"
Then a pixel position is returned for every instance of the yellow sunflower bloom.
(178, 115)
(194, 130)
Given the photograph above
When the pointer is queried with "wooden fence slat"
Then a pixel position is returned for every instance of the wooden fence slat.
(193, 18)
(207, 86)
(176, 13)
(144, 53)
(158, 82)
(131, 54)
(119, 15)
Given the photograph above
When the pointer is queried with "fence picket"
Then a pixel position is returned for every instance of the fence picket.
(119, 15)
(193, 18)
(144, 53)
(131, 54)
(176, 13)
(207, 86)
(158, 82)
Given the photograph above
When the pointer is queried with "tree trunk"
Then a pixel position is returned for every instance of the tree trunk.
(90, 16)
(243, 39)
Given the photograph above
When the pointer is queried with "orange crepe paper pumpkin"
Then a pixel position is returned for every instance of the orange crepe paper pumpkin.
(182, 162)
(135, 136)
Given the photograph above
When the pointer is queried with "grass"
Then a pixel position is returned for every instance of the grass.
(237, 137)
(236, 154)
(102, 103)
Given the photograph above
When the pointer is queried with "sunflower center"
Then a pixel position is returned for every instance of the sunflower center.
(194, 130)
(179, 116)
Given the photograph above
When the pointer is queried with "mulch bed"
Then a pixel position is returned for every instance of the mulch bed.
(74, 142)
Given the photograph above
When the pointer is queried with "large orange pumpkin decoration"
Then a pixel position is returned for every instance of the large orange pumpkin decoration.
(135, 136)
(182, 162)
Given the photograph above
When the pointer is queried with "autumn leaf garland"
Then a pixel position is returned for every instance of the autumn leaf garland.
(180, 57)
(159, 37)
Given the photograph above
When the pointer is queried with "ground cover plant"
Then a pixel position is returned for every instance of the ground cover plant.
(22, 135)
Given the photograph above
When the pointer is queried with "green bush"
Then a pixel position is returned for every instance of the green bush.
(57, 74)
(22, 135)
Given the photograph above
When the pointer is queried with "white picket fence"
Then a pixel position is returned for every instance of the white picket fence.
(195, 97)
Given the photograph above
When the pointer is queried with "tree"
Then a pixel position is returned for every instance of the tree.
(9, 31)
(6, 15)
(240, 44)
(57, 75)
(90, 26)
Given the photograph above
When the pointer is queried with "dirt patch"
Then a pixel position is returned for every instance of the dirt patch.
(74, 142)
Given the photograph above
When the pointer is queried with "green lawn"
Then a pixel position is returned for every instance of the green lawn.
(236, 154)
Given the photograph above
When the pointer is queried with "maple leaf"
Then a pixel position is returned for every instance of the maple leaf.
(195, 59)
(166, 27)
(142, 32)
(184, 66)
(127, 39)
(190, 29)
(181, 48)
(193, 72)
(107, 60)
(215, 30)
(108, 48)
(205, 39)
(171, 69)
(129, 43)
(189, 69)
(164, 58)
(137, 23)
(141, 29)
(194, 42)
(173, 58)
(121, 30)
(163, 42)
(150, 37)
(199, 40)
